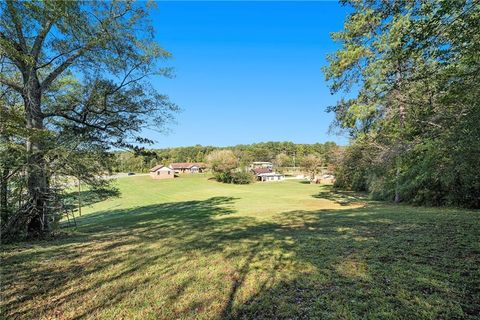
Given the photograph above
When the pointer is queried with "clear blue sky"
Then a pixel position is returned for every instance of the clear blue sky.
(247, 71)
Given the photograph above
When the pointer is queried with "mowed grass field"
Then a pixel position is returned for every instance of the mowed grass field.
(192, 248)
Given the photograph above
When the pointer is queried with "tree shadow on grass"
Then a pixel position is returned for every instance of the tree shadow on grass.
(105, 240)
(369, 263)
(89, 197)
(194, 259)
(343, 198)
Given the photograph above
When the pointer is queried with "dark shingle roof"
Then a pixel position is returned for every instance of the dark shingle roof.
(261, 170)
(187, 165)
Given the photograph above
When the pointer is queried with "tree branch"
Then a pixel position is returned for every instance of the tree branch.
(18, 26)
(37, 45)
(12, 56)
(55, 73)
(15, 86)
(56, 57)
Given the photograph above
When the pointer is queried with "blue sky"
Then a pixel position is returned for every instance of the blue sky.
(247, 71)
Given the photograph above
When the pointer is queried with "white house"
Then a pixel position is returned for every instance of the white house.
(270, 176)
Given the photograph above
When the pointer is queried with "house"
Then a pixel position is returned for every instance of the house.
(266, 174)
(162, 172)
(261, 164)
(270, 176)
(188, 167)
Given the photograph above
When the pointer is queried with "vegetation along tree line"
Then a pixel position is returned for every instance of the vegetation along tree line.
(414, 120)
(281, 154)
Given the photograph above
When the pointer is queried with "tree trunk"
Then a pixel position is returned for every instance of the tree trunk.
(397, 185)
(3, 193)
(36, 170)
(401, 112)
(4, 174)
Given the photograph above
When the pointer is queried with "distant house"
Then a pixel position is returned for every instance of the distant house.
(188, 167)
(266, 174)
(162, 172)
(270, 176)
(261, 164)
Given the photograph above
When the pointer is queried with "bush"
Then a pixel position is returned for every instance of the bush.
(224, 177)
(242, 177)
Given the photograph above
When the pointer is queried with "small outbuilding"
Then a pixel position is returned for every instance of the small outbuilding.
(270, 176)
(162, 172)
(267, 174)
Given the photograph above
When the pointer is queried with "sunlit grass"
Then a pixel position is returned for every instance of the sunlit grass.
(192, 248)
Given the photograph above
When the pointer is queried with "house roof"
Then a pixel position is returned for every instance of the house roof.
(187, 165)
(270, 174)
(261, 170)
(157, 167)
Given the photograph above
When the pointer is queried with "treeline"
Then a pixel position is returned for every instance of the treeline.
(290, 154)
(414, 121)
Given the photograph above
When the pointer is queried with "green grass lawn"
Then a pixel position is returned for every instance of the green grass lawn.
(192, 248)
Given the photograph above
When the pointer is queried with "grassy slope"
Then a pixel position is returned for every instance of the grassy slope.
(193, 248)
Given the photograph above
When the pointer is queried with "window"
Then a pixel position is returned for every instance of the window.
(168, 171)
(158, 173)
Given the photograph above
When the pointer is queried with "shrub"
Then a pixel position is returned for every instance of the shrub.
(242, 177)
(225, 177)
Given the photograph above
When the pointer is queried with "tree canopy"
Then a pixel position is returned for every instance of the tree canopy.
(78, 72)
(409, 71)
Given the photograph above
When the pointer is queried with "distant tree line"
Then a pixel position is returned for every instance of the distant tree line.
(410, 73)
(282, 154)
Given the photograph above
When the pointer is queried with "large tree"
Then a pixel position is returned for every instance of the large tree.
(80, 69)
(408, 71)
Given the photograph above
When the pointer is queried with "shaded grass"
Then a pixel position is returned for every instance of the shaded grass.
(264, 251)
(89, 197)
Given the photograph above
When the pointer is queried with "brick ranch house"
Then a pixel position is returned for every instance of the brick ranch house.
(188, 167)
(162, 172)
